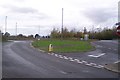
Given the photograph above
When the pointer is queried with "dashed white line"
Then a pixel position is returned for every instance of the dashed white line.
(63, 72)
(49, 53)
(56, 55)
(98, 66)
(84, 62)
(41, 50)
(37, 48)
(65, 57)
(93, 64)
(109, 48)
(52, 53)
(88, 64)
(77, 60)
(60, 56)
(115, 49)
(71, 59)
(98, 46)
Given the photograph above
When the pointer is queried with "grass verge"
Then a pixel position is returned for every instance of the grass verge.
(64, 46)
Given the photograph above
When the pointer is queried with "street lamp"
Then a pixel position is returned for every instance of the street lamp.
(5, 24)
(62, 26)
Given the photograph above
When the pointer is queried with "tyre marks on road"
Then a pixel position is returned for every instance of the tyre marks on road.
(77, 60)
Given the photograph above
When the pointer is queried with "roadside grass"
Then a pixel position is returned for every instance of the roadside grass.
(64, 46)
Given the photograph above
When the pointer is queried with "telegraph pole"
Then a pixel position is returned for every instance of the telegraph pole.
(39, 30)
(16, 29)
(62, 26)
(5, 24)
(118, 17)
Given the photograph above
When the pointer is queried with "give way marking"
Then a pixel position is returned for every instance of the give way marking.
(97, 55)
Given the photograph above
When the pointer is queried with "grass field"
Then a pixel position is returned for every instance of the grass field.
(64, 46)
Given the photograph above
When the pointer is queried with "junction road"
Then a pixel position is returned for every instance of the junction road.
(20, 60)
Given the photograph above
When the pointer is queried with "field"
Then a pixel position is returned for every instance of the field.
(64, 46)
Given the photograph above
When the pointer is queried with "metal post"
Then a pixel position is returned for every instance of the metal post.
(5, 24)
(119, 11)
(16, 29)
(62, 26)
(39, 30)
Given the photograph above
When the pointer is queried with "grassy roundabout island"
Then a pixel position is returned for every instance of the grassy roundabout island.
(64, 46)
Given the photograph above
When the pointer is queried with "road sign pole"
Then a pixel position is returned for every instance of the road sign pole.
(118, 30)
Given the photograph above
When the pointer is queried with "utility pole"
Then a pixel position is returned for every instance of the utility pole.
(62, 26)
(119, 11)
(5, 24)
(39, 30)
(16, 29)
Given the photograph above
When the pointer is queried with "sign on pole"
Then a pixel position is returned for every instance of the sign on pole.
(118, 30)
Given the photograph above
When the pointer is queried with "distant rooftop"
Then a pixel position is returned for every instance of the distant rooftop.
(118, 23)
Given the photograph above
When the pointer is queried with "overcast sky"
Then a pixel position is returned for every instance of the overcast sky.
(41, 16)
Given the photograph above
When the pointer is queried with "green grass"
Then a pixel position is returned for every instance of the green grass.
(64, 46)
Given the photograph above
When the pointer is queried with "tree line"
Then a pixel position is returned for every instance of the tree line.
(105, 34)
(6, 36)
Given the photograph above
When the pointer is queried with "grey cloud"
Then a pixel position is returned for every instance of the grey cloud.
(33, 13)
(100, 15)
(19, 0)
(20, 9)
(24, 10)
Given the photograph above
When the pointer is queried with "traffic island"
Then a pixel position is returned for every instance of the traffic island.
(113, 67)
(63, 46)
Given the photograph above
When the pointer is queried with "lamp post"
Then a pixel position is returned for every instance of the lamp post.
(62, 26)
(16, 29)
(5, 24)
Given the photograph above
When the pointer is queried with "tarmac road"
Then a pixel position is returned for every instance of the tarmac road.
(106, 52)
(20, 60)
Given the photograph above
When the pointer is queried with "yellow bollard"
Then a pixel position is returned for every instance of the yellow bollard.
(50, 49)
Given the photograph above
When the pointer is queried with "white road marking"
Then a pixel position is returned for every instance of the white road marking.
(84, 62)
(63, 72)
(93, 64)
(117, 61)
(109, 48)
(78, 61)
(100, 66)
(49, 53)
(52, 53)
(115, 49)
(97, 55)
(56, 55)
(65, 57)
(60, 56)
(88, 64)
(41, 50)
(98, 46)
(70, 58)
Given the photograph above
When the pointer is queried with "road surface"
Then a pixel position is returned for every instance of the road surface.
(20, 60)
(106, 52)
